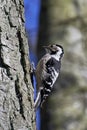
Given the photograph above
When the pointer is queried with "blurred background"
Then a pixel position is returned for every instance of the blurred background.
(63, 22)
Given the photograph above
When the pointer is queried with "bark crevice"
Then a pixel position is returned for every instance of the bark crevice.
(22, 52)
(11, 124)
(20, 97)
(3, 64)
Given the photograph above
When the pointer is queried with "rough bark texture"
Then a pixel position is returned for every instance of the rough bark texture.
(16, 92)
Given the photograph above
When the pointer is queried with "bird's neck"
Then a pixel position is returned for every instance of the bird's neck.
(56, 56)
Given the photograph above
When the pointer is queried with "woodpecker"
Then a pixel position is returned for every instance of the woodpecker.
(47, 72)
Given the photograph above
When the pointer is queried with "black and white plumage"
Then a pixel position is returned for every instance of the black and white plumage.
(47, 72)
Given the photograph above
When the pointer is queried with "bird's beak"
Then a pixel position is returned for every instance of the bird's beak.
(47, 47)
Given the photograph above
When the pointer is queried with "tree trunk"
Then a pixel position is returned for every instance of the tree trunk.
(16, 92)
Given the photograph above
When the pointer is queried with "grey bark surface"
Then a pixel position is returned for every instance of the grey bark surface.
(16, 92)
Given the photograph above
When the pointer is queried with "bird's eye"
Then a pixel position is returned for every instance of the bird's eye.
(51, 45)
(53, 52)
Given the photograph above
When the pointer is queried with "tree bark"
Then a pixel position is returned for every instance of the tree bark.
(16, 92)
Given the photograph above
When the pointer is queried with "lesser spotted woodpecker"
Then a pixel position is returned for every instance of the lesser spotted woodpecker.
(47, 72)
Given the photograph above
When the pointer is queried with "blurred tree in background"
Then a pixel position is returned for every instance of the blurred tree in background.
(65, 22)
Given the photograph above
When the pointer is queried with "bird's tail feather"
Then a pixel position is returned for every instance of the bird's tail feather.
(37, 101)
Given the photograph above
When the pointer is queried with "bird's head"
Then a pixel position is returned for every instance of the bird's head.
(54, 49)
